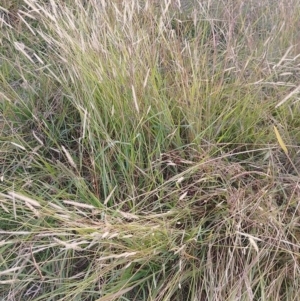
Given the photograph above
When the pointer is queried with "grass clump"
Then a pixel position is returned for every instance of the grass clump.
(138, 154)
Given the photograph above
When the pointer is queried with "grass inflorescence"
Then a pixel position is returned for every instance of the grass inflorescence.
(149, 150)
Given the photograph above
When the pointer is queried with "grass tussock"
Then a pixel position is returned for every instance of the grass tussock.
(149, 150)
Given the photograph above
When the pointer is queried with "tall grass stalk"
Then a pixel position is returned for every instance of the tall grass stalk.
(138, 154)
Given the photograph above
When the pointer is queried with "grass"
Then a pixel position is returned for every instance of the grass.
(139, 159)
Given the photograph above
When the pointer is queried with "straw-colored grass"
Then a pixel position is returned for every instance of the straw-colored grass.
(149, 151)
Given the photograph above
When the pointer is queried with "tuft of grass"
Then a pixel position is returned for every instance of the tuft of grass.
(138, 154)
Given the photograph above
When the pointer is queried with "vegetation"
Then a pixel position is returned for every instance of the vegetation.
(149, 152)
